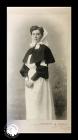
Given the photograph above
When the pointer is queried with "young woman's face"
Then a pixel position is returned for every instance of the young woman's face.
(36, 36)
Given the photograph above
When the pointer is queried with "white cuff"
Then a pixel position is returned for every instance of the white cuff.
(43, 63)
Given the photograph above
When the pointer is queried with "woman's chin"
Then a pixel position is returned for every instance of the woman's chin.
(35, 41)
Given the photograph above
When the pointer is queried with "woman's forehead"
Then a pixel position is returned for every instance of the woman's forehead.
(36, 31)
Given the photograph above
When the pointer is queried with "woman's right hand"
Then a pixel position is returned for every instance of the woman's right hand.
(29, 83)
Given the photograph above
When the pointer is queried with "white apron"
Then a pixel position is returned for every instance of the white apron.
(39, 99)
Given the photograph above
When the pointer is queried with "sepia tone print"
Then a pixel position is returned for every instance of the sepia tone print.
(56, 21)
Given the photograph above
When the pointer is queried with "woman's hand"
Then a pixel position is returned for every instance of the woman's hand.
(29, 83)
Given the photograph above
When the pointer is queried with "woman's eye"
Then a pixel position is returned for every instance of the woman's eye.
(38, 34)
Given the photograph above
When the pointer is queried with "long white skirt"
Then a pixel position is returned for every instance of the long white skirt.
(39, 101)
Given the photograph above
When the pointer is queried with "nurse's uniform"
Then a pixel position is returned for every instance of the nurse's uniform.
(39, 98)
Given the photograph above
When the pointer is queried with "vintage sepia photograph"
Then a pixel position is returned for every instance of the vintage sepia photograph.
(39, 69)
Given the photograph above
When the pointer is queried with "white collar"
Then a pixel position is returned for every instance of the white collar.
(37, 45)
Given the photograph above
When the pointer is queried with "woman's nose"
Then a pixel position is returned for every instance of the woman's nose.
(35, 35)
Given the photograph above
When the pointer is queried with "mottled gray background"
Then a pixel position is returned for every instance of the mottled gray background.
(57, 22)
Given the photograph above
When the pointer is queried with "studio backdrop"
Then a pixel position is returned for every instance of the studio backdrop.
(57, 22)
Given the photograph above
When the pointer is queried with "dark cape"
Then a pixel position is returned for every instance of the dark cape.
(38, 55)
(43, 53)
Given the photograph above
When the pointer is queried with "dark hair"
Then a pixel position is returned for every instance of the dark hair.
(37, 28)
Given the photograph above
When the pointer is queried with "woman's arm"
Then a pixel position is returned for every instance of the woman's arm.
(24, 70)
(41, 71)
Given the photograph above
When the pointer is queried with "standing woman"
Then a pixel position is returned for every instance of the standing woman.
(38, 94)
